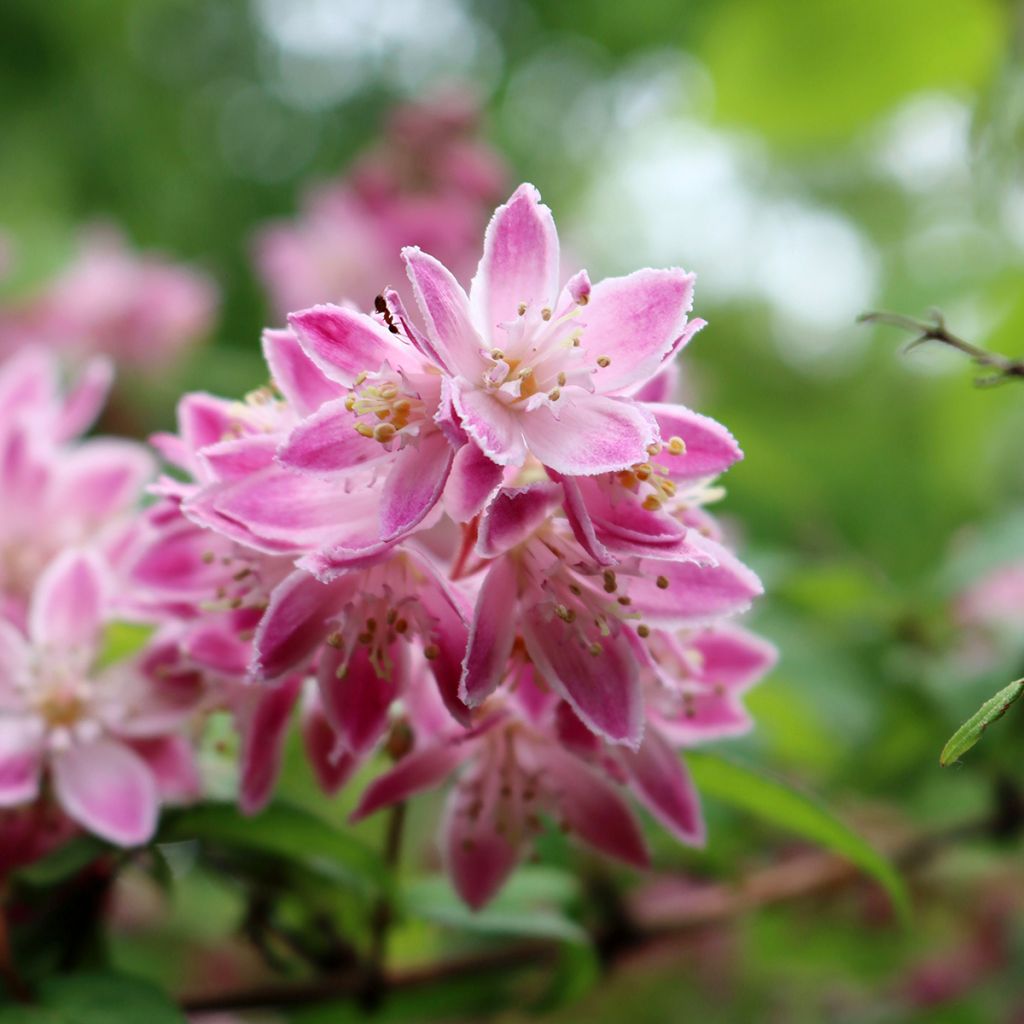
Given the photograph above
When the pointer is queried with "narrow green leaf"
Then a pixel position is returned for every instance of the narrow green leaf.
(529, 906)
(282, 830)
(768, 798)
(66, 860)
(970, 732)
(121, 640)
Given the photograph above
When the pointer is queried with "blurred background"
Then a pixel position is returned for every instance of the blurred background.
(809, 162)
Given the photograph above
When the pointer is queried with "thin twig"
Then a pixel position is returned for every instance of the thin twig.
(653, 921)
(936, 330)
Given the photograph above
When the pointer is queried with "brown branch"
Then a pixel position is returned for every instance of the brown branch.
(654, 918)
(935, 329)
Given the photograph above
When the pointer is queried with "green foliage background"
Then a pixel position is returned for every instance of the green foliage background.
(874, 486)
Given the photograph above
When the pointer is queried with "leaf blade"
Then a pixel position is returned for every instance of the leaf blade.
(970, 732)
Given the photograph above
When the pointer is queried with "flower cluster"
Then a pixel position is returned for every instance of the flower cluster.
(140, 310)
(468, 533)
(430, 181)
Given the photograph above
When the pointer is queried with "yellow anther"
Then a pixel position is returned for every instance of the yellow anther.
(350, 402)
(653, 449)
(522, 309)
(603, 361)
(651, 503)
(496, 353)
(662, 582)
(431, 651)
(545, 313)
(359, 380)
(561, 380)
(624, 600)
(383, 432)
(676, 445)
(554, 394)
(610, 582)
(595, 649)
(365, 429)
(643, 631)
(401, 626)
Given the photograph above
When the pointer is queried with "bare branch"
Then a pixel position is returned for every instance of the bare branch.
(935, 329)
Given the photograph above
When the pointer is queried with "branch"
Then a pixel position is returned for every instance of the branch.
(655, 916)
(935, 329)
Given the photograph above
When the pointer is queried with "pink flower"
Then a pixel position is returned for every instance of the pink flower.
(142, 311)
(430, 182)
(582, 623)
(543, 370)
(80, 725)
(57, 491)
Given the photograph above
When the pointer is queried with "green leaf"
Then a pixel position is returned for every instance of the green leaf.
(529, 906)
(970, 732)
(67, 859)
(286, 831)
(780, 804)
(121, 640)
(96, 999)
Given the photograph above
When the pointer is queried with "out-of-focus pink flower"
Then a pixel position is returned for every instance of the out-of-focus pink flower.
(90, 731)
(995, 601)
(57, 491)
(430, 182)
(30, 832)
(140, 309)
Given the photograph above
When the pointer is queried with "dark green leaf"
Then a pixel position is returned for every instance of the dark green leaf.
(282, 830)
(776, 802)
(64, 861)
(970, 732)
(96, 999)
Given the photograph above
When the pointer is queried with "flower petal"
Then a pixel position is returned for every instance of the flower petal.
(497, 431)
(172, 760)
(589, 434)
(332, 765)
(603, 689)
(297, 621)
(108, 789)
(491, 635)
(414, 484)
(327, 442)
(592, 808)
(514, 514)
(297, 377)
(520, 263)
(473, 481)
(662, 784)
(710, 448)
(355, 698)
(344, 343)
(67, 604)
(445, 310)
(635, 321)
(20, 761)
(263, 723)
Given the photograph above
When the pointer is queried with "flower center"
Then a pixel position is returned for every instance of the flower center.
(385, 407)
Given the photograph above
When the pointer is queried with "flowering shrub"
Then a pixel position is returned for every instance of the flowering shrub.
(475, 535)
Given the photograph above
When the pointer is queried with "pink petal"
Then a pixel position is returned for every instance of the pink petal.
(473, 481)
(414, 773)
(20, 761)
(634, 321)
(344, 343)
(297, 621)
(477, 856)
(514, 515)
(660, 781)
(83, 404)
(520, 263)
(239, 457)
(491, 635)
(603, 689)
(414, 484)
(593, 809)
(203, 420)
(731, 656)
(590, 434)
(304, 387)
(695, 593)
(355, 698)
(172, 761)
(15, 665)
(497, 431)
(108, 790)
(445, 310)
(331, 764)
(662, 387)
(710, 448)
(264, 728)
(103, 478)
(67, 604)
(327, 441)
